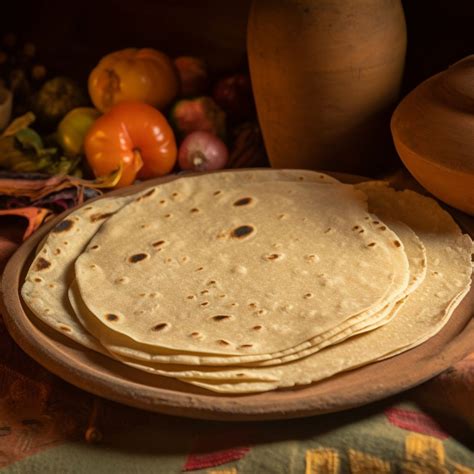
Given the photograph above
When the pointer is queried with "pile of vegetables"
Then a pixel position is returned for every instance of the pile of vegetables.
(142, 115)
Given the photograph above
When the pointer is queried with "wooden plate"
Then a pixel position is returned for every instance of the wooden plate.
(104, 377)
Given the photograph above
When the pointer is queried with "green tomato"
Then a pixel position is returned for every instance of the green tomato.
(73, 129)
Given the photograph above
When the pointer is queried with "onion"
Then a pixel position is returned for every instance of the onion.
(202, 151)
(234, 95)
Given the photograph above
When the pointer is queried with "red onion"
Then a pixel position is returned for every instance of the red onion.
(234, 95)
(202, 151)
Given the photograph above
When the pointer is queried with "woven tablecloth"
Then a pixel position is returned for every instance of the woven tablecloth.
(48, 426)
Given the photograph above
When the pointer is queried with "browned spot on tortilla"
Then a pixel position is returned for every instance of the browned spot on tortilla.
(252, 305)
(137, 257)
(301, 178)
(63, 226)
(147, 194)
(160, 327)
(94, 247)
(158, 243)
(175, 194)
(376, 222)
(243, 201)
(211, 282)
(273, 256)
(204, 292)
(355, 227)
(382, 228)
(242, 231)
(372, 244)
(99, 216)
(162, 201)
(194, 210)
(88, 208)
(195, 334)
(216, 193)
(245, 346)
(240, 375)
(42, 264)
(221, 317)
(191, 297)
(257, 328)
(361, 231)
(308, 295)
(65, 328)
(38, 280)
(223, 342)
(397, 243)
(57, 251)
(167, 215)
(199, 269)
(206, 303)
(111, 317)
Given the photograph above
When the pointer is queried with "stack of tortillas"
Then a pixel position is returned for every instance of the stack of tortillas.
(249, 281)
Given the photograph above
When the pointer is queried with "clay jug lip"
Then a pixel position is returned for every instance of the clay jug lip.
(456, 85)
(453, 87)
(435, 119)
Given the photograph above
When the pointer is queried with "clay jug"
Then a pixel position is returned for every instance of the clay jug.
(433, 132)
(326, 75)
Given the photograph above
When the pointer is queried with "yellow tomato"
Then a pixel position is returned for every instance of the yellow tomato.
(144, 75)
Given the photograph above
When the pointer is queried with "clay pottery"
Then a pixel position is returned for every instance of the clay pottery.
(433, 132)
(325, 75)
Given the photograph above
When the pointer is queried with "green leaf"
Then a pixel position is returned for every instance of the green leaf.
(30, 139)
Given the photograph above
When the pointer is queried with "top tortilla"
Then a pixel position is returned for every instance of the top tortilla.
(195, 266)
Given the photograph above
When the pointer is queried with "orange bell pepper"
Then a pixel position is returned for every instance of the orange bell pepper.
(145, 75)
(135, 135)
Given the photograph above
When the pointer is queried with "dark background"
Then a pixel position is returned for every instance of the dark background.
(72, 36)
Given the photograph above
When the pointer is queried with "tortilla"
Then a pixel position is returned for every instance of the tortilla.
(194, 288)
(139, 358)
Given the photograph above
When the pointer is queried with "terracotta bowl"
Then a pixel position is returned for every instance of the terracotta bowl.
(433, 132)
